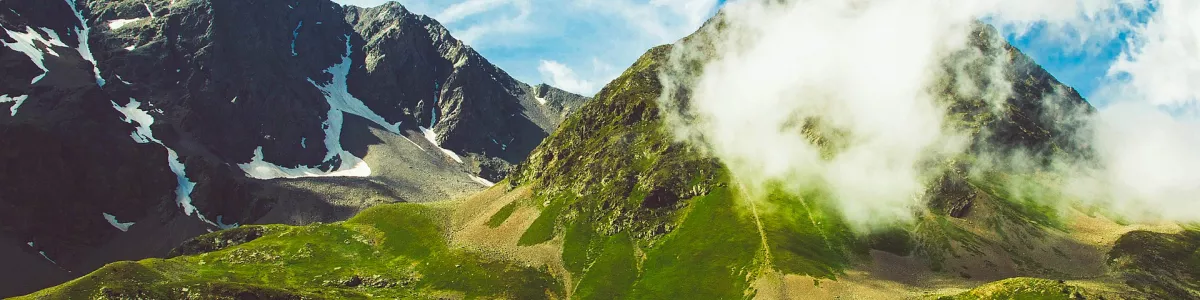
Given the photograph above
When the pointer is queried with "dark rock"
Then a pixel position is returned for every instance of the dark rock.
(354, 281)
(951, 195)
(217, 241)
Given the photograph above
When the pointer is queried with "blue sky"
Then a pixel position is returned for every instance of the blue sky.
(1084, 67)
(1083, 70)
(575, 45)
(580, 45)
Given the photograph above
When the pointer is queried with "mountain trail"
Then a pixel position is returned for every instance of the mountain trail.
(762, 233)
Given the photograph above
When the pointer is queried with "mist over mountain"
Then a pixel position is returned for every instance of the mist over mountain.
(785, 150)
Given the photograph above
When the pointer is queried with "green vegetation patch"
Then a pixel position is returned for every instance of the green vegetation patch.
(580, 242)
(388, 251)
(1026, 197)
(612, 274)
(542, 229)
(1024, 288)
(502, 215)
(806, 236)
(708, 257)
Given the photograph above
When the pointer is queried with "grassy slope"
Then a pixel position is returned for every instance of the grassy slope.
(613, 177)
(1025, 289)
(1165, 266)
(395, 250)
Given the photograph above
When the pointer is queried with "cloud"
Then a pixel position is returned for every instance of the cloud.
(1149, 161)
(836, 95)
(461, 10)
(563, 77)
(584, 83)
(661, 20)
(515, 21)
(1162, 63)
(853, 73)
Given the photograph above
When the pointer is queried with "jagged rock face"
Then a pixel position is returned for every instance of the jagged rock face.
(416, 71)
(1039, 115)
(148, 111)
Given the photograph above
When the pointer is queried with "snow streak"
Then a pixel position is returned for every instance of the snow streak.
(133, 114)
(85, 50)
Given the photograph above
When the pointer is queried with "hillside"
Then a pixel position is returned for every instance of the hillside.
(611, 206)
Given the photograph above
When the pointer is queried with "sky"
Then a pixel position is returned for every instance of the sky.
(581, 45)
(575, 45)
(1081, 62)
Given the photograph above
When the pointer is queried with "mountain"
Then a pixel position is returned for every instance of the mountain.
(131, 126)
(611, 205)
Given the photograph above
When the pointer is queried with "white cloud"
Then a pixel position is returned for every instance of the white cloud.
(1149, 162)
(563, 77)
(1078, 25)
(1162, 64)
(625, 29)
(460, 10)
(863, 70)
(660, 20)
(497, 28)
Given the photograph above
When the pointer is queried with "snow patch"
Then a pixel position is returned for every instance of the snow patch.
(341, 102)
(130, 48)
(433, 110)
(113, 220)
(351, 167)
(117, 24)
(482, 181)
(540, 100)
(25, 43)
(18, 100)
(132, 113)
(84, 49)
(340, 99)
(295, 33)
(432, 138)
(452, 155)
(123, 80)
(222, 225)
(43, 253)
(503, 146)
(414, 144)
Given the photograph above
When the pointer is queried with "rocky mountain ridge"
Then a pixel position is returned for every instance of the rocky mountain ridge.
(134, 125)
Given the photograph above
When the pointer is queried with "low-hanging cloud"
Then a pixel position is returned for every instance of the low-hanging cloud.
(842, 95)
(563, 77)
